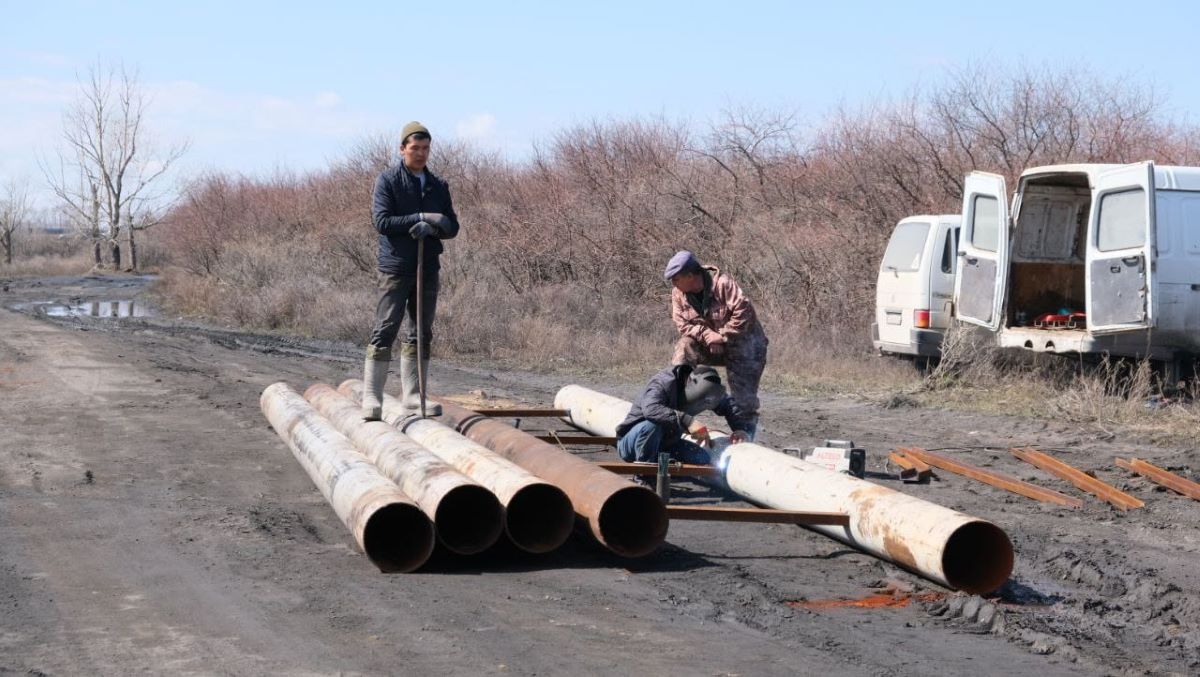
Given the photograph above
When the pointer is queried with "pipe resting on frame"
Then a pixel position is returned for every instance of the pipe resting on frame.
(537, 515)
(467, 517)
(628, 519)
(943, 545)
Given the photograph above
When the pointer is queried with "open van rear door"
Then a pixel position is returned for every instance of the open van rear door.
(1120, 252)
(982, 251)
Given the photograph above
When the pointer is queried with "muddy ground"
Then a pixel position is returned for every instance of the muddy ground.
(151, 521)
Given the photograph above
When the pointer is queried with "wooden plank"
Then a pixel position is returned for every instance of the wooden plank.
(995, 479)
(1180, 485)
(676, 469)
(759, 515)
(522, 413)
(912, 469)
(572, 438)
(1077, 477)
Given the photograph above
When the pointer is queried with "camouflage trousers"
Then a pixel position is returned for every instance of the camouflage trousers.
(744, 361)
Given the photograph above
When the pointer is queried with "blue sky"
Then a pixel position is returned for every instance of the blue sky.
(257, 86)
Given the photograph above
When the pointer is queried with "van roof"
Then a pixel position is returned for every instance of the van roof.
(1167, 177)
(932, 217)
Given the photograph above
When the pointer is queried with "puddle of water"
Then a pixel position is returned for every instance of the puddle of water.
(101, 309)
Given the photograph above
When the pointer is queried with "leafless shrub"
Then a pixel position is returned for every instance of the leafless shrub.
(561, 254)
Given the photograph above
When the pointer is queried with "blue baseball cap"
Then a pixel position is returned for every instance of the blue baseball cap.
(682, 262)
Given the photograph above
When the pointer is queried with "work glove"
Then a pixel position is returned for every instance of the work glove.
(421, 229)
(440, 222)
(700, 431)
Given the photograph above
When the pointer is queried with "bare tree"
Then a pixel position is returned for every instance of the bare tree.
(107, 169)
(14, 209)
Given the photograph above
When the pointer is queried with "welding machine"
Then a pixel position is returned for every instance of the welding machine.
(837, 455)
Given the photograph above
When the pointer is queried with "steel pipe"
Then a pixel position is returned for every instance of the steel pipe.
(467, 517)
(628, 519)
(538, 516)
(953, 549)
(387, 525)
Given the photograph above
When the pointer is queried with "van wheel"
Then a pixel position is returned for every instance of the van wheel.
(924, 365)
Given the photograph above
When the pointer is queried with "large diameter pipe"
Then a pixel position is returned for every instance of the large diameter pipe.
(946, 546)
(538, 516)
(388, 525)
(628, 519)
(467, 517)
(591, 410)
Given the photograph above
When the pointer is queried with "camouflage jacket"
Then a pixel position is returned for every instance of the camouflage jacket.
(725, 314)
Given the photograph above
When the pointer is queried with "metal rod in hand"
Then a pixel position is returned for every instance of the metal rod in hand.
(421, 322)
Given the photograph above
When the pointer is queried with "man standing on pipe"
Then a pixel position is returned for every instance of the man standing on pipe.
(410, 204)
(718, 327)
(667, 408)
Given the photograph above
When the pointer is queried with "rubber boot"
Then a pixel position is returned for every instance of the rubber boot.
(410, 387)
(375, 373)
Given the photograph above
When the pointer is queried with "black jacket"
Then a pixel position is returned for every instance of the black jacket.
(661, 402)
(396, 206)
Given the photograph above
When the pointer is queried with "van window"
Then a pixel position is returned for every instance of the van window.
(948, 251)
(906, 246)
(985, 223)
(1122, 220)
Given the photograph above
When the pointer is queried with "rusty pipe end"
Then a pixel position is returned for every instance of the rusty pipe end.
(539, 517)
(633, 521)
(978, 558)
(398, 538)
(469, 519)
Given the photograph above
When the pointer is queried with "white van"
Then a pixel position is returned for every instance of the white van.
(915, 289)
(1094, 259)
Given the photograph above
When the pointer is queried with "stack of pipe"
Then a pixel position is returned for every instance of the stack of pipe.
(956, 550)
(538, 516)
(628, 519)
(387, 524)
(467, 517)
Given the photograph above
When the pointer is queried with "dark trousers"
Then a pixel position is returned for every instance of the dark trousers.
(397, 309)
(644, 442)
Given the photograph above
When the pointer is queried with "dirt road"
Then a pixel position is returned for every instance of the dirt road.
(151, 521)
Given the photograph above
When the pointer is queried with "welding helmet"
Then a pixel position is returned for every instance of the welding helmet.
(703, 390)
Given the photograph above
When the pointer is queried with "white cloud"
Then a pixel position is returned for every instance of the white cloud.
(232, 130)
(478, 127)
(36, 91)
(327, 100)
(229, 113)
(35, 57)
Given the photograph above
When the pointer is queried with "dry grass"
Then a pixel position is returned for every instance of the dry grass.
(43, 265)
(1105, 398)
(570, 330)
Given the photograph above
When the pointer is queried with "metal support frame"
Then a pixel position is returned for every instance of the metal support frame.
(1179, 485)
(1080, 479)
(503, 412)
(675, 469)
(912, 470)
(662, 483)
(993, 478)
